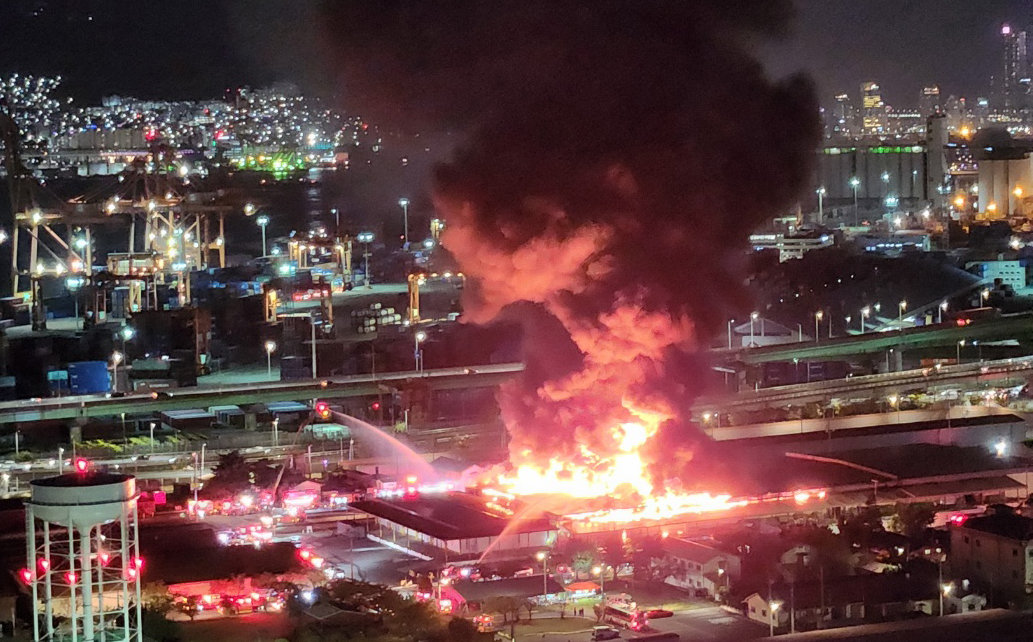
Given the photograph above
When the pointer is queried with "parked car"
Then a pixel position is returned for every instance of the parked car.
(656, 614)
(605, 633)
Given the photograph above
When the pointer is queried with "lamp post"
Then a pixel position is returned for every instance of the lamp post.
(960, 345)
(263, 221)
(365, 238)
(940, 310)
(152, 437)
(773, 606)
(116, 358)
(900, 314)
(855, 182)
(312, 325)
(270, 347)
(543, 557)
(404, 202)
(598, 572)
(865, 312)
(895, 404)
(127, 334)
(60, 460)
(821, 204)
(984, 296)
(753, 317)
(73, 284)
(817, 319)
(419, 337)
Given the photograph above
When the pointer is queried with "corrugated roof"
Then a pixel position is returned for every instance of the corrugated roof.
(518, 587)
(447, 517)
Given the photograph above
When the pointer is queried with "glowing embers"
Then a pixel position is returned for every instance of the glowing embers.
(662, 508)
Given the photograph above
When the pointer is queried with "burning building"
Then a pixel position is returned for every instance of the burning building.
(616, 162)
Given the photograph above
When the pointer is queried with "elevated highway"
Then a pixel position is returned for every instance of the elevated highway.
(86, 406)
(1017, 327)
(997, 373)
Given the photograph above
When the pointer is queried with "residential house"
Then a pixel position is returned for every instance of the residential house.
(700, 567)
(855, 598)
(995, 551)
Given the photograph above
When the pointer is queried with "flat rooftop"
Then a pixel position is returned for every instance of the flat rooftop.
(448, 516)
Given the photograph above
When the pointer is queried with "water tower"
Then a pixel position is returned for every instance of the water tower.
(83, 563)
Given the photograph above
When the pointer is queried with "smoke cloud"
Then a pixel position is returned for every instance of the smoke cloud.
(618, 155)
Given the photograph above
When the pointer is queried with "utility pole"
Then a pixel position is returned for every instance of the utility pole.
(312, 324)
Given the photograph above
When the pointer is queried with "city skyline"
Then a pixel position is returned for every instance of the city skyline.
(954, 45)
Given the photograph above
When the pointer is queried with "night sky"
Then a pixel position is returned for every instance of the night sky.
(198, 48)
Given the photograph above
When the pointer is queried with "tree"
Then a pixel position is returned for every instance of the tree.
(155, 596)
(461, 630)
(158, 628)
(912, 520)
(583, 560)
(505, 605)
(529, 606)
(230, 476)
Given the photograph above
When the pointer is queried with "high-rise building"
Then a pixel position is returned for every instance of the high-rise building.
(1013, 82)
(929, 102)
(843, 121)
(873, 110)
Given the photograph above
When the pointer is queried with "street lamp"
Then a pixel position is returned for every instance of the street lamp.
(116, 358)
(598, 572)
(404, 202)
(753, 317)
(817, 319)
(270, 347)
(945, 590)
(773, 606)
(249, 209)
(262, 221)
(365, 238)
(984, 295)
(855, 182)
(419, 337)
(127, 333)
(821, 204)
(960, 345)
(900, 314)
(939, 313)
(865, 312)
(543, 557)
(895, 404)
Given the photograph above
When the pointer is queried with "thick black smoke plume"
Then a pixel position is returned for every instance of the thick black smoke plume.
(619, 153)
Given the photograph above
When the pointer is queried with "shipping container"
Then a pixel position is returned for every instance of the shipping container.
(89, 377)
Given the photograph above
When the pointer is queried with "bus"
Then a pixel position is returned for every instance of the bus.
(623, 615)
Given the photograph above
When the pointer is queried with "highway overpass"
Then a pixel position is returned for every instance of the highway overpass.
(86, 406)
(1018, 327)
(996, 373)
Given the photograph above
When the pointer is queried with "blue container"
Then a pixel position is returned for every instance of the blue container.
(89, 377)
